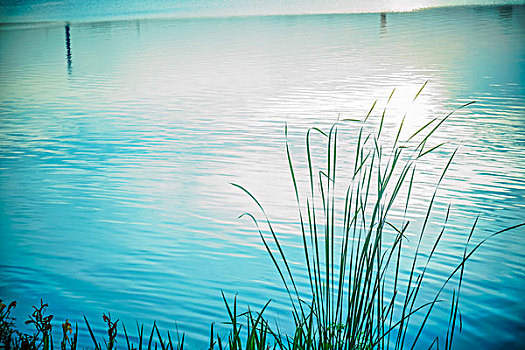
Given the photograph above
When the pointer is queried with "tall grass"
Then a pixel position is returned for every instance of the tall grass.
(358, 297)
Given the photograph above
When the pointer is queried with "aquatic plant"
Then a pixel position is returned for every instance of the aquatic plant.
(66, 339)
(358, 297)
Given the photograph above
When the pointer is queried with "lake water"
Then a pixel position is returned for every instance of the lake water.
(119, 141)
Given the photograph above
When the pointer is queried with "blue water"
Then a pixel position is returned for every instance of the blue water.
(119, 141)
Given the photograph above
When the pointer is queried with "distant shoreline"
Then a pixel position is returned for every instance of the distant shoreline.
(22, 22)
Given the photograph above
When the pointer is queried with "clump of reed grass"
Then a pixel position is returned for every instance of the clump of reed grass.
(358, 297)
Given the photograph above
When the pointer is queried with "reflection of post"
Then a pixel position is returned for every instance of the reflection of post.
(505, 11)
(68, 49)
(383, 22)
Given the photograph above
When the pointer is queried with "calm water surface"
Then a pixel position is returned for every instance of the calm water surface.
(119, 141)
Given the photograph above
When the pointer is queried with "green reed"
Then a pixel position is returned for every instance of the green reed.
(359, 299)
